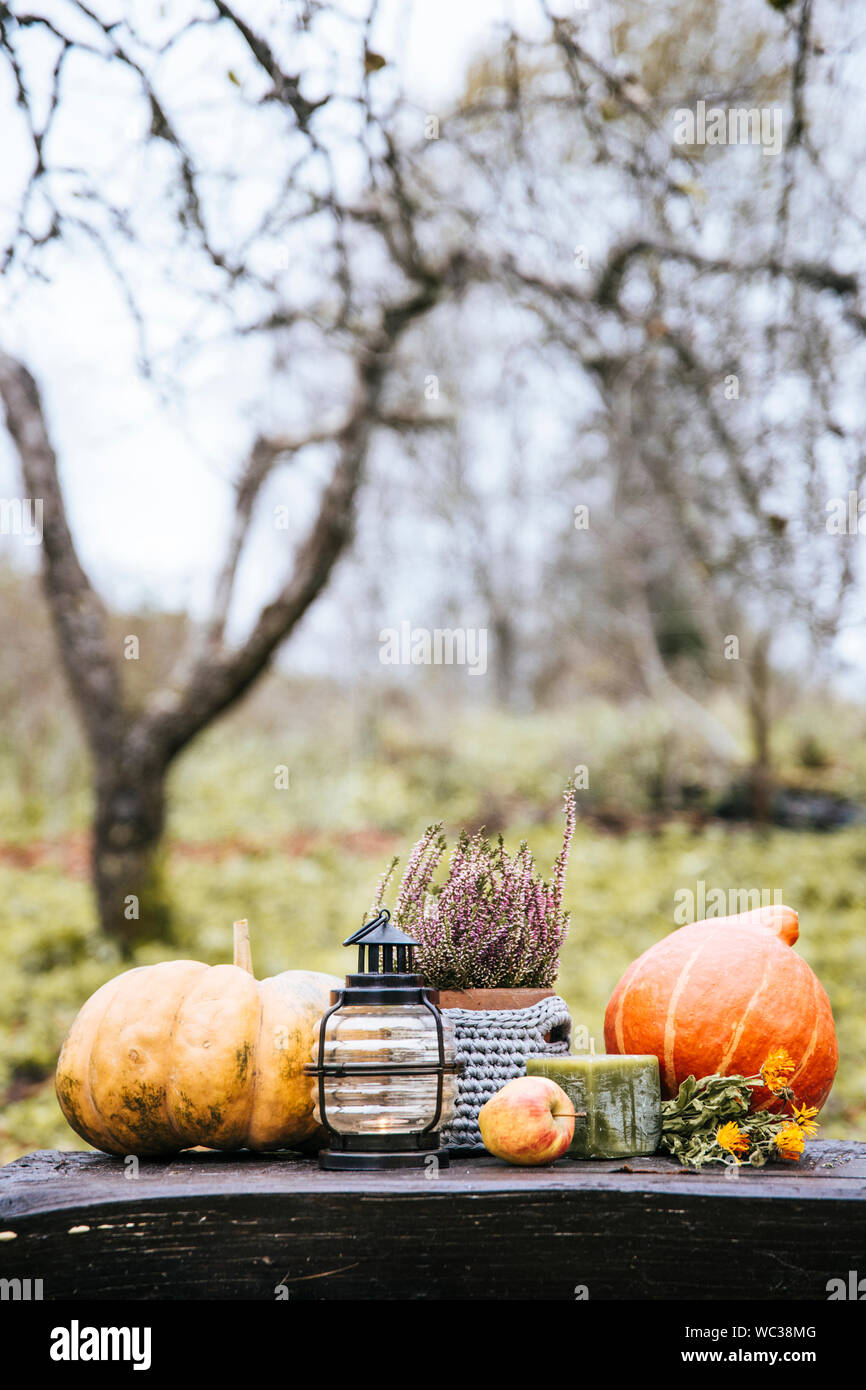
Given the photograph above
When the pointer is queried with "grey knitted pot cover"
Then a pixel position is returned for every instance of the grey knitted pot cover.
(494, 1044)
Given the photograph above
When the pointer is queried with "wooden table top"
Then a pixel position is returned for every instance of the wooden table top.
(204, 1225)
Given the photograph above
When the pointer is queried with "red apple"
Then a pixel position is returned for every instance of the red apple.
(530, 1121)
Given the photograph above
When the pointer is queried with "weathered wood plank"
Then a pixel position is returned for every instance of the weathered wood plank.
(208, 1226)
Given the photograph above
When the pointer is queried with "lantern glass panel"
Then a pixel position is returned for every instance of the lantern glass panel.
(370, 1104)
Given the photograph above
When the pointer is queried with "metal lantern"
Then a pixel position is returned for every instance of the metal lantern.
(385, 1068)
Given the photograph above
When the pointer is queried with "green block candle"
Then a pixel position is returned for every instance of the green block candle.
(619, 1095)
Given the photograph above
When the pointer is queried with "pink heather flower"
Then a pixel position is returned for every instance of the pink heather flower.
(381, 886)
(494, 921)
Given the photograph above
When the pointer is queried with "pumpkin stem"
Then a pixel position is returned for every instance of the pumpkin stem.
(775, 917)
(243, 954)
(782, 922)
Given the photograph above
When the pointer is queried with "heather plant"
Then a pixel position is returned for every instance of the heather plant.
(494, 922)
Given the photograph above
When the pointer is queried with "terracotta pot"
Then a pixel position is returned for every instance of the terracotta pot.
(491, 998)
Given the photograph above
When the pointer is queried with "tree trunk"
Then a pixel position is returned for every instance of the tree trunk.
(127, 829)
(505, 661)
(760, 773)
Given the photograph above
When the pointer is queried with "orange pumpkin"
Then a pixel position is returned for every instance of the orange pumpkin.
(170, 1056)
(718, 996)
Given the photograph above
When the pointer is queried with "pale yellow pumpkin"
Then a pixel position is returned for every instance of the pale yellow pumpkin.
(169, 1056)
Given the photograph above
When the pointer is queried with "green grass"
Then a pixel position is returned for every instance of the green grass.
(621, 893)
(366, 764)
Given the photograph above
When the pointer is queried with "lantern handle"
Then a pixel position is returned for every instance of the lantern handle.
(380, 921)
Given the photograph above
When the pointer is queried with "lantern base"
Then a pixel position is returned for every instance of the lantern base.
(344, 1159)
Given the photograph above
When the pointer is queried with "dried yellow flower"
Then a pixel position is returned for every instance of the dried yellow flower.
(732, 1138)
(805, 1117)
(777, 1070)
(789, 1141)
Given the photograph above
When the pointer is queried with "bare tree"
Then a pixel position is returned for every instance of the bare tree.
(359, 315)
(709, 500)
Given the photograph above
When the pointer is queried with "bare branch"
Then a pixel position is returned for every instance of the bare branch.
(797, 126)
(286, 88)
(218, 681)
(262, 458)
(817, 277)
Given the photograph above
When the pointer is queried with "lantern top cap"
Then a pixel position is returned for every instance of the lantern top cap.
(380, 932)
